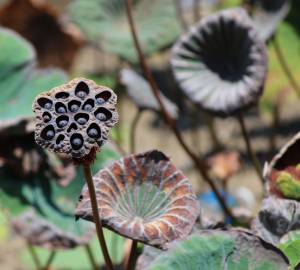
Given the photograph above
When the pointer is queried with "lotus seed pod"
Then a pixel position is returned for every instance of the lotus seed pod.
(70, 118)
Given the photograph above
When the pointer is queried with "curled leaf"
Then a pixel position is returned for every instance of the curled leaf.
(276, 219)
(39, 232)
(221, 64)
(143, 197)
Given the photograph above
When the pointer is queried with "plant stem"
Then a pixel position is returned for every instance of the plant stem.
(249, 147)
(133, 130)
(96, 217)
(50, 260)
(198, 162)
(34, 256)
(91, 257)
(132, 256)
(209, 121)
(180, 16)
(285, 66)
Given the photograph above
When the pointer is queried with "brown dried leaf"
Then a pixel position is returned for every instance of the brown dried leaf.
(143, 197)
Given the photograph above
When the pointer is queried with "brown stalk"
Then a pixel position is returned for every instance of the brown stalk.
(198, 162)
(34, 256)
(96, 217)
(132, 256)
(133, 130)
(249, 147)
(285, 66)
(50, 260)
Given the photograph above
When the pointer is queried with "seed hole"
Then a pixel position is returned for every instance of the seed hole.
(62, 95)
(62, 121)
(88, 105)
(72, 127)
(103, 114)
(82, 90)
(60, 138)
(103, 97)
(48, 133)
(60, 107)
(46, 117)
(74, 105)
(94, 131)
(76, 141)
(45, 103)
(81, 118)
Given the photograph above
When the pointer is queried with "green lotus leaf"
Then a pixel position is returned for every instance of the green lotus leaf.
(105, 22)
(20, 82)
(291, 249)
(214, 249)
(53, 205)
(143, 197)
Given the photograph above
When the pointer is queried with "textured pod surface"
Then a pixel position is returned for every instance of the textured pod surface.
(276, 219)
(267, 15)
(75, 118)
(221, 64)
(283, 172)
(219, 249)
(143, 197)
(39, 232)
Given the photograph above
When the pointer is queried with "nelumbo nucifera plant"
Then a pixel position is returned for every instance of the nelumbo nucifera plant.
(75, 119)
(143, 197)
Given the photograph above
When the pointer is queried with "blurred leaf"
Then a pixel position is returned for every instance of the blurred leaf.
(105, 22)
(19, 81)
(292, 250)
(50, 201)
(211, 250)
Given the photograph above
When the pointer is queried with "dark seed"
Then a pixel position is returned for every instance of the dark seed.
(48, 106)
(77, 143)
(101, 116)
(74, 108)
(50, 134)
(81, 94)
(81, 121)
(62, 123)
(61, 110)
(93, 133)
(88, 107)
(46, 118)
(100, 100)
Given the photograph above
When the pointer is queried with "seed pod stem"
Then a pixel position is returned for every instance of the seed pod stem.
(96, 217)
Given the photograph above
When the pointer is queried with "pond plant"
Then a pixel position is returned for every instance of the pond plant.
(60, 173)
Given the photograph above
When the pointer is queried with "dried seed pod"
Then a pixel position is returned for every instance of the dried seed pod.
(221, 64)
(143, 197)
(70, 119)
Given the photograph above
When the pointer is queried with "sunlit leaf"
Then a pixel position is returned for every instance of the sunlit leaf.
(105, 22)
(143, 197)
(212, 250)
(221, 64)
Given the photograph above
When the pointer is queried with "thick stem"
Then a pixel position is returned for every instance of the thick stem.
(34, 256)
(96, 217)
(133, 130)
(249, 147)
(198, 162)
(132, 256)
(180, 16)
(50, 260)
(285, 66)
(91, 257)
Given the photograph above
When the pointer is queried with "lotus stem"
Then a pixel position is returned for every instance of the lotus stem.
(133, 129)
(249, 147)
(96, 217)
(91, 257)
(285, 66)
(197, 8)
(34, 256)
(180, 16)
(209, 121)
(132, 256)
(50, 260)
(198, 162)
